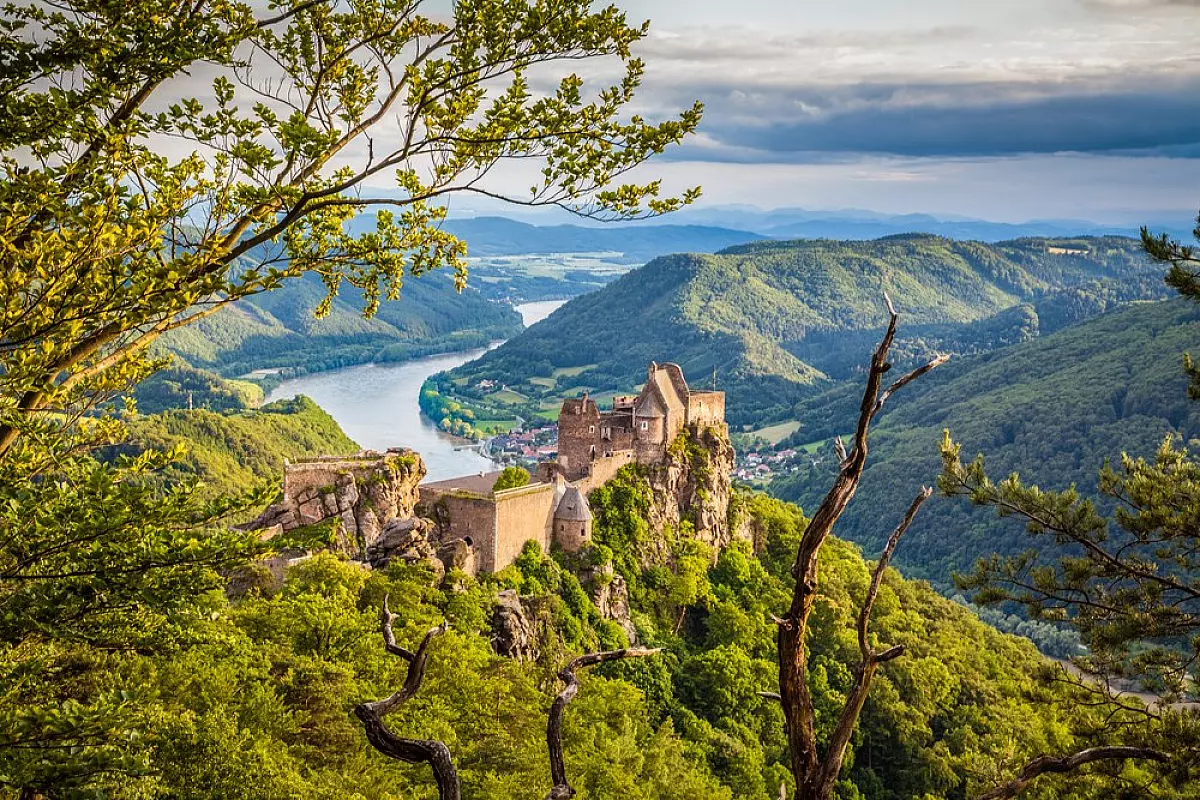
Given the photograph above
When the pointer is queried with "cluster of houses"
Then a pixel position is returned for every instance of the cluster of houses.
(758, 466)
(525, 447)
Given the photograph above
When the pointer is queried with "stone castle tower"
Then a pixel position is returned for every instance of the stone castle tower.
(644, 425)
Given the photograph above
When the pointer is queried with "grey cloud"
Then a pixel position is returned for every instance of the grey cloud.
(709, 44)
(822, 124)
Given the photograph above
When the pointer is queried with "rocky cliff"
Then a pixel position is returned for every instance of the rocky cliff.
(366, 493)
(693, 485)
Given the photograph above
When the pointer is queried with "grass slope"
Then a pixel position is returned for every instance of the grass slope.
(1052, 409)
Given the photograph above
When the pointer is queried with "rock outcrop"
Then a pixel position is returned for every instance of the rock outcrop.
(514, 633)
(610, 593)
(365, 493)
(693, 484)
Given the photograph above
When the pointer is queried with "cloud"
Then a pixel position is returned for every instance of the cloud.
(1101, 84)
(812, 123)
(1127, 5)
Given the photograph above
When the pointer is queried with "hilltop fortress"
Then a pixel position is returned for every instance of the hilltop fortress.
(386, 512)
(592, 446)
(637, 428)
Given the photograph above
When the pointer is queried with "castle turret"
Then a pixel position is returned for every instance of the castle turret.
(572, 521)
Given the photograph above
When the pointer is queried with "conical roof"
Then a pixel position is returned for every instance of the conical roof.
(573, 506)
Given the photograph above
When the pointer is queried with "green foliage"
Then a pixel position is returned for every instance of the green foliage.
(1183, 276)
(109, 243)
(230, 452)
(278, 329)
(181, 386)
(1129, 588)
(95, 559)
(778, 320)
(265, 710)
(450, 415)
(1053, 409)
(511, 478)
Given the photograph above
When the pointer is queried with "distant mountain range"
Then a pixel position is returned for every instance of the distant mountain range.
(493, 236)
(709, 229)
(762, 316)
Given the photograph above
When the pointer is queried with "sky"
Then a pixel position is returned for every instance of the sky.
(1001, 109)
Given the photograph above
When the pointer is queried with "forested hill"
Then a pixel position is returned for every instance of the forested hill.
(1052, 410)
(233, 452)
(771, 318)
(279, 329)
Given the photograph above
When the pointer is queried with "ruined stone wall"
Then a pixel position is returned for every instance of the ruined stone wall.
(461, 515)
(365, 493)
(578, 434)
(604, 470)
(706, 408)
(522, 515)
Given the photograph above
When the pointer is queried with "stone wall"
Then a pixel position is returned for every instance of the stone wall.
(604, 470)
(364, 492)
(578, 435)
(524, 514)
(461, 515)
(706, 408)
(572, 535)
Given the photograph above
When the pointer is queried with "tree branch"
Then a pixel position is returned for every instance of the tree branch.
(864, 613)
(558, 771)
(412, 751)
(864, 673)
(815, 776)
(1052, 765)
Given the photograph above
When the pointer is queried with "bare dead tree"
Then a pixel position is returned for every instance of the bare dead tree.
(558, 771)
(1049, 764)
(815, 774)
(412, 751)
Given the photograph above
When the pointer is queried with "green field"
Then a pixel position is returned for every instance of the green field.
(571, 372)
(508, 397)
(777, 433)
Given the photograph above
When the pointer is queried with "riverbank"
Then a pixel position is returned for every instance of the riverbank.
(377, 405)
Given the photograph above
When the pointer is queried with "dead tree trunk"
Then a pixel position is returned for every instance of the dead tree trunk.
(558, 771)
(816, 774)
(411, 751)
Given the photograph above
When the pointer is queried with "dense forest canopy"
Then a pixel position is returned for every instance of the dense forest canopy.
(1053, 410)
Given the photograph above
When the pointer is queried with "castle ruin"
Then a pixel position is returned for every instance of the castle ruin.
(593, 445)
(385, 511)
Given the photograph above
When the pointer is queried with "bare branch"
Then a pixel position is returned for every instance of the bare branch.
(909, 378)
(816, 775)
(864, 613)
(558, 771)
(412, 751)
(1052, 765)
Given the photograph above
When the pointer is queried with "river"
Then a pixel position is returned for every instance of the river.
(376, 404)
